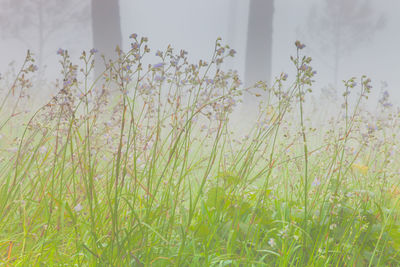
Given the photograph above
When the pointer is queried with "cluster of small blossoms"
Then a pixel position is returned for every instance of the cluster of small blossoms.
(69, 70)
(169, 92)
(384, 100)
(307, 71)
(366, 82)
(23, 81)
(349, 84)
(222, 52)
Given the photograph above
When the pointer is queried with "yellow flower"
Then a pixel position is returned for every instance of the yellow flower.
(363, 169)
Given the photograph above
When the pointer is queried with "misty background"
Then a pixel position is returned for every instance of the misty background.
(366, 32)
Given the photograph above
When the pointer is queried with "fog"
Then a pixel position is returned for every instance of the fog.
(195, 25)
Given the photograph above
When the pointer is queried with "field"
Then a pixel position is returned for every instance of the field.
(148, 165)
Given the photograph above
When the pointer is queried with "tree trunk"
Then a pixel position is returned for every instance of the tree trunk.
(106, 30)
(259, 46)
(41, 39)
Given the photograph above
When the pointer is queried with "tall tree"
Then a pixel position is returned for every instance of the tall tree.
(106, 29)
(259, 44)
(341, 26)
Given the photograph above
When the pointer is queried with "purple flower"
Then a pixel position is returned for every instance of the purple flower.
(299, 45)
(93, 51)
(135, 45)
(387, 104)
(78, 207)
(159, 78)
(304, 67)
(209, 81)
(158, 65)
(386, 94)
(133, 36)
(60, 51)
(316, 182)
(232, 52)
(33, 68)
(67, 82)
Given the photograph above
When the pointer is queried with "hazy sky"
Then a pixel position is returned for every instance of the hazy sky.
(194, 25)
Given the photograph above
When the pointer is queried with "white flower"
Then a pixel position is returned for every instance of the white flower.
(272, 242)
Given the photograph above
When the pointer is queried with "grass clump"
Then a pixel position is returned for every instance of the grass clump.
(140, 167)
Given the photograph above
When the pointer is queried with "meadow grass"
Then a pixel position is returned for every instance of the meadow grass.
(142, 167)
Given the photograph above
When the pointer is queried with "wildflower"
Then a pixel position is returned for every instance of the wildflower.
(272, 242)
(367, 84)
(316, 182)
(78, 207)
(158, 66)
(209, 81)
(371, 128)
(284, 76)
(67, 82)
(332, 226)
(133, 36)
(43, 149)
(304, 67)
(299, 45)
(33, 68)
(93, 51)
(387, 105)
(159, 53)
(174, 62)
(135, 45)
(60, 51)
(220, 51)
(159, 78)
(183, 53)
(384, 100)
(232, 52)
